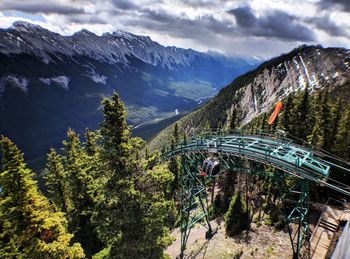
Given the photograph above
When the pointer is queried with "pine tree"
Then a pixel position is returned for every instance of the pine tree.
(326, 120)
(56, 182)
(228, 187)
(233, 119)
(301, 126)
(91, 146)
(176, 135)
(343, 135)
(77, 178)
(336, 113)
(174, 165)
(286, 118)
(321, 135)
(115, 133)
(126, 217)
(237, 217)
(263, 123)
(92, 163)
(317, 137)
(80, 181)
(30, 228)
(145, 235)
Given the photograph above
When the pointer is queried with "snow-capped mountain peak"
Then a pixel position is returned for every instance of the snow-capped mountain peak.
(113, 48)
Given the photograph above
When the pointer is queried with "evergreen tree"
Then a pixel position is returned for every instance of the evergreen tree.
(343, 135)
(80, 182)
(233, 120)
(326, 123)
(317, 137)
(176, 134)
(115, 133)
(128, 212)
(237, 217)
(184, 141)
(92, 164)
(228, 187)
(263, 123)
(286, 118)
(174, 165)
(78, 179)
(56, 182)
(301, 126)
(336, 113)
(321, 135)
(30, 228)
(91, 146)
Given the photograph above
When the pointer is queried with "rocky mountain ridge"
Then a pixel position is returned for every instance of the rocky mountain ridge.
(112, 48)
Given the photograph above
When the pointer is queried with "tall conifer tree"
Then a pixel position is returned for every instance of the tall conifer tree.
(30, 228)
(56, 184)
(125, 216)
(301, 125)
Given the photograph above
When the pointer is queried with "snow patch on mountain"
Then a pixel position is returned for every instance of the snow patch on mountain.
(97, 78)
(14, 81)
(46, 81)
(61, 81)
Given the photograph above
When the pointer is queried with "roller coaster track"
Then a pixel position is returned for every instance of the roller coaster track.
(290, 159)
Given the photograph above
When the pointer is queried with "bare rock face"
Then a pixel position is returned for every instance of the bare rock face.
(313, 67)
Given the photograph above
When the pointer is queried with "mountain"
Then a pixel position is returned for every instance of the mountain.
(50, 82)
(257, 91)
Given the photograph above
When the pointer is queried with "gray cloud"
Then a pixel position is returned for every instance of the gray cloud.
(203, 28)
(201, 3)
(39, 7)
(84, 19)
(276, 24)
(343, 4)
(125, 4)
(324, 23)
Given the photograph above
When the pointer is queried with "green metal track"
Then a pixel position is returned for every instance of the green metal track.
(278, 152)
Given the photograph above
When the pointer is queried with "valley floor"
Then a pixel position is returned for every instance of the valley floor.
(259, 242)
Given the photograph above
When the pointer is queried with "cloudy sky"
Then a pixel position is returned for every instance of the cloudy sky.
(236, 27)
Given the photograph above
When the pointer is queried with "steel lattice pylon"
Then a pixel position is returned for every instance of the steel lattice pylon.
(290, 160)
(193, 198)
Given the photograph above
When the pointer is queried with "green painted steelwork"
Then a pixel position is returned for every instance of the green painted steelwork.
(289, 158)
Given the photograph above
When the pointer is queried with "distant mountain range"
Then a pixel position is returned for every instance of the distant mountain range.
(50, 82)
(257, 91)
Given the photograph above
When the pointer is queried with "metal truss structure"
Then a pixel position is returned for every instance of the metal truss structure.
(290, 159)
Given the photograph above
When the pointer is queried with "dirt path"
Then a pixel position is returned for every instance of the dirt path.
(259, 242)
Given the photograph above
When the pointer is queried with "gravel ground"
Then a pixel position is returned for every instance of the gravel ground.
(259, 242)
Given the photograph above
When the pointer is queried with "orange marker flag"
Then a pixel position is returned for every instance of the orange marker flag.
(275, 113)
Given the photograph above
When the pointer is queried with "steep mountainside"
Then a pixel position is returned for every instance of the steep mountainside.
(257, 91)
(50, 82)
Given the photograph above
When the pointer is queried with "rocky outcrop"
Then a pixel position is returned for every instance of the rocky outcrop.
(312, 67)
